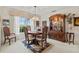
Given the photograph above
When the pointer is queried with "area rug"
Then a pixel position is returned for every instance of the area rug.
(33, 50)
(25, 44)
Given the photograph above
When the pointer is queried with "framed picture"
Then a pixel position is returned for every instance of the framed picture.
(44, 23)
(76, 21)
(6, 22)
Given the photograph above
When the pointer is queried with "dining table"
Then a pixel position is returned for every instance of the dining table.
(35, 46)
(35, 34)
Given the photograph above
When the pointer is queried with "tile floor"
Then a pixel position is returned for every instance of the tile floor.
(56, 47)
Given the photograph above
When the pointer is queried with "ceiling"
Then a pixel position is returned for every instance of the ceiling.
(40, 10)
(43, 11)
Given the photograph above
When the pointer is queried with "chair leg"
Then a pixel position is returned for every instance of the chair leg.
(73, 39)
(45, 41)
(9, 42)
(69, 39)
(66, 38)
(42, 43)
(28, 42)
(15, 39)
(4, 41)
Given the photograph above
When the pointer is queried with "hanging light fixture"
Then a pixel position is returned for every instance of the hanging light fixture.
(35, 10)
(35, 17)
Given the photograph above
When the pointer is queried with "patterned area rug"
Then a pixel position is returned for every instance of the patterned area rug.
(26, 45)
(34, 50)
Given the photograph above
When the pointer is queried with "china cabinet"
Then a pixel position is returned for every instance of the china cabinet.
(57, 27)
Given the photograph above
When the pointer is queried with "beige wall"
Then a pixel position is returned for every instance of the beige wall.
(0, 31)
(3, 15)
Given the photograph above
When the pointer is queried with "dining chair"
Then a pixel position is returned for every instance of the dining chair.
(70, 37)
(29, 28)
(44, 33)
(28, 37)
(66, 37)
(7, 35)
(43, 38)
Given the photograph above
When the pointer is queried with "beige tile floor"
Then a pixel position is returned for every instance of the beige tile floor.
(56, 47)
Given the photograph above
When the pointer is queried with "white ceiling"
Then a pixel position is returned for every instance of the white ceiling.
(40, 10)
(43, 11)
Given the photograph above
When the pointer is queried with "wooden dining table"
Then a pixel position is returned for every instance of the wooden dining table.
(34, 34)
(39, 48)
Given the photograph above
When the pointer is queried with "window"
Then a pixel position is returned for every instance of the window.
(20, 23)
(23, 22)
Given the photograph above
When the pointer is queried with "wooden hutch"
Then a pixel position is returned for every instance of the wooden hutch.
(57, 27)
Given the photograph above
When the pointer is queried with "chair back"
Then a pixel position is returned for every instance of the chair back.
(26, 33)
(6, 31)
(29, 28)
(44, 32)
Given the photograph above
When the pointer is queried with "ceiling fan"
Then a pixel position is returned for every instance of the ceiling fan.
(58, 9)
(54, 11)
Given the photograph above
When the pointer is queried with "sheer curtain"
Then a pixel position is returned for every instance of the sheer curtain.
(18, 21)
(16, 24)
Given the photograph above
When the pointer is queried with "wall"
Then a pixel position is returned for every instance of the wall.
(0, 31)
(3, 15)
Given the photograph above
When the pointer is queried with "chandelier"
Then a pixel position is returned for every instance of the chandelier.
(35, 17)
